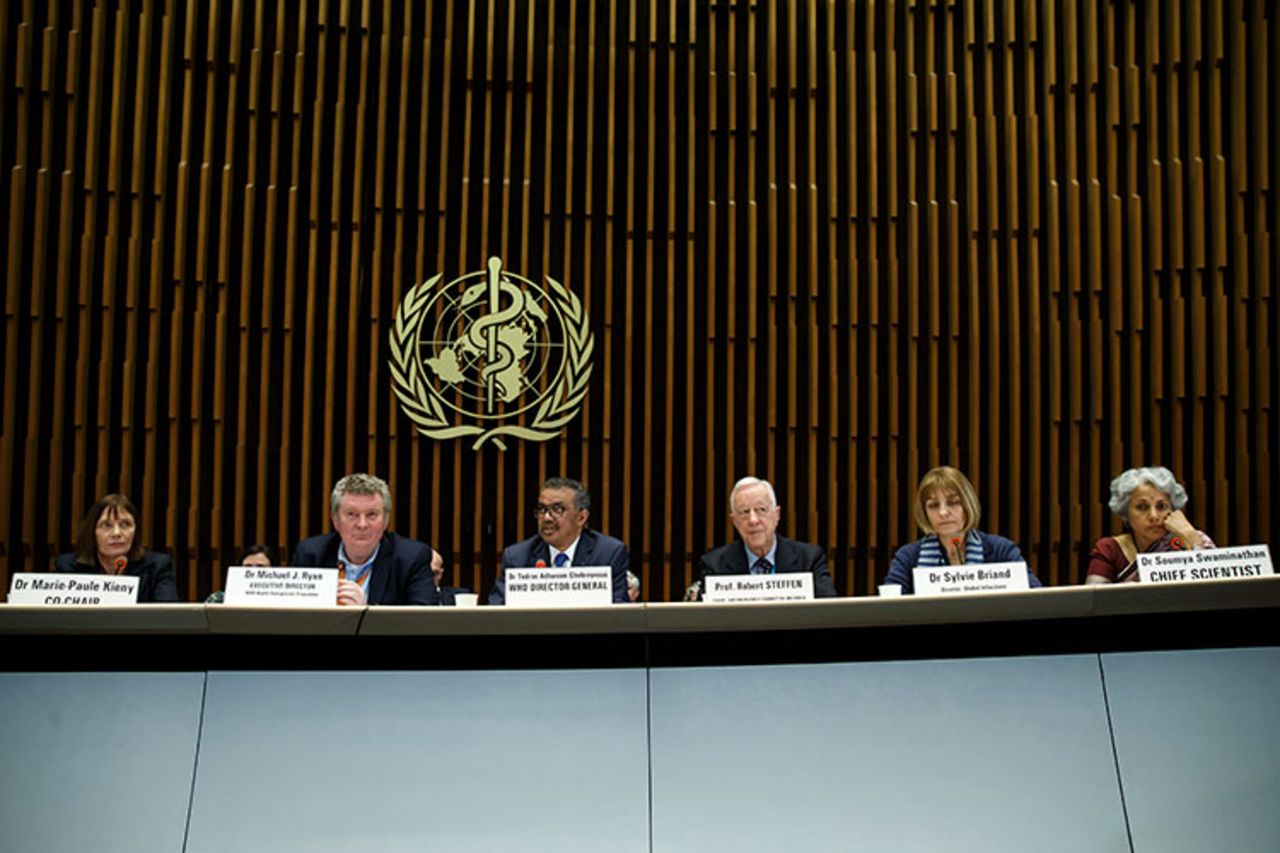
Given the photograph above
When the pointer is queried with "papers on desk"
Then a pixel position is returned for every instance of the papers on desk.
(568, 586)
(1210, 564)
(970, 578)
(789, 586)
(70, 589)
(281, 586)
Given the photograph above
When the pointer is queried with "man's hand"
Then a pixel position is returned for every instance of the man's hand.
(350, 594)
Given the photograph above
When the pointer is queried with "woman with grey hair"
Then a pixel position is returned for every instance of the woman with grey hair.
(1149, 501)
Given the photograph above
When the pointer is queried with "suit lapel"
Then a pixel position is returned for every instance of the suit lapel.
(786, 556)
(540, 551)
(736, 559)
(586, 547)
(329, 557)
(382, 568)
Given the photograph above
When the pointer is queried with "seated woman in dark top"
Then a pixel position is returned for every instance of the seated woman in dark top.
(947, 510)
(254, 555)
(1149, 502)
(110, 542)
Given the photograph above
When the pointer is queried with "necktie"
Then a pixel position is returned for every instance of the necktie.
(762, 567)
(561, 560)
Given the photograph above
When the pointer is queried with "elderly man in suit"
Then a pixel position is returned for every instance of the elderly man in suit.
(376, 566)
(754, 510)
(563, 539)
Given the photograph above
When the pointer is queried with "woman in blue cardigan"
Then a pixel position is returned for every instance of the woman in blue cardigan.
(947, 510)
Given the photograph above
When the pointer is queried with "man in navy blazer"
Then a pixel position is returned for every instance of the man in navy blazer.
(565, 540)
(753, 507)
(376, 566)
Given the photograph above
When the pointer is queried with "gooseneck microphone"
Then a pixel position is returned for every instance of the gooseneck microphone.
(541, 564)
(955, 543)
(121, 562)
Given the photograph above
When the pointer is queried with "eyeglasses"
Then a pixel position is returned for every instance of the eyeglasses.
(554, 510)
(746, 512)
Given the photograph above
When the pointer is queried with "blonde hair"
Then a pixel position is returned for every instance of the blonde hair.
(943, 481)
(360, 484)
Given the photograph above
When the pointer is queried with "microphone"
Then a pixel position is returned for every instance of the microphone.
(955, 543)
(541, 564)
(342, 570)
(121, 562)
(1177, 544)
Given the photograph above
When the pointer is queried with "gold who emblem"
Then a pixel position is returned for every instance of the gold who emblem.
(490, 347)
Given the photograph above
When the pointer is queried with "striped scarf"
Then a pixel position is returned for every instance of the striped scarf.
(931, 553)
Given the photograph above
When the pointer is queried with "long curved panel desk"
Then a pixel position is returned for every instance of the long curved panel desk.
(1123, 718)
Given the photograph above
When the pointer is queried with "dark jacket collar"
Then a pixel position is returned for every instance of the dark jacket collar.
(383, 566)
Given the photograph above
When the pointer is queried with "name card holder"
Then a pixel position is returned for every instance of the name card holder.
(76, 590)
(734, 589)
(569, 586)
(281, 586)
(971, 578)
(1210, 564)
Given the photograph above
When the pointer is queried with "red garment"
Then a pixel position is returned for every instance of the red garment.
(1108, 560)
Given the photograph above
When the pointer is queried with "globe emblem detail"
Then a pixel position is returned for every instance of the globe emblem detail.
(471, 356)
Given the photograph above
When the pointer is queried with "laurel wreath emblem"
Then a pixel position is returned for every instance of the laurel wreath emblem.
(557, 406)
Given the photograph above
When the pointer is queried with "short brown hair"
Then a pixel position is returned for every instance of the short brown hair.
(946, 480)
(87, 539)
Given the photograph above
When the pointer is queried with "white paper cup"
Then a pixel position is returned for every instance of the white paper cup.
(466, 599)
(890, 590)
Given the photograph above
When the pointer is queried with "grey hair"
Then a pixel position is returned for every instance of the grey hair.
(581, 497)
(747, 482)
(360, 484)
(1122, 487)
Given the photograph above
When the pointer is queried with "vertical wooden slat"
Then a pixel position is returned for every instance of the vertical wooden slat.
(42, 234)
(706, 446)
(23, 78)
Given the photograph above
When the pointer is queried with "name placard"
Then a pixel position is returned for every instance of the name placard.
(730, 589)
(281, 586)
(569, 586)
(1211, 564)
(973, 577)
(63, 589)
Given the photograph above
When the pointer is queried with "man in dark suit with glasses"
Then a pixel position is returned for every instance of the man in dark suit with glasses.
(563, 539)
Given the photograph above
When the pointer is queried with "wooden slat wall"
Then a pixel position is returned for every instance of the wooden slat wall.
(829, 243)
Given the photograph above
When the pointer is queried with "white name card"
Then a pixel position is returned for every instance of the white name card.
(30, 588)
(281, 586)
(569, 586)
(971, 577)
(731, 589)
(1211, 564)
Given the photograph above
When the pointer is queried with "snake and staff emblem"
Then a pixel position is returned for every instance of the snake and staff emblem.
(502, 354)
